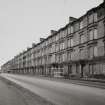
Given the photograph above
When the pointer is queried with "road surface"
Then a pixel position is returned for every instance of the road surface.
(60, 93)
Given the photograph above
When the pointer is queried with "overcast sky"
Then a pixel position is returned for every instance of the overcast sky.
(23, 22)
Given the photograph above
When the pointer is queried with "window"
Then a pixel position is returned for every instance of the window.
(81, 53)
(90, 18)
(65, 32)
(95, 51)
(57, 47)
(95, 34)
(63, 57)
(76, 26)
(82, 38)
(95, 17)
(68, 56)
(81, 24)
(91, 35)
(57, 37)
(91, 52)
(71, 42)
(60, 35)
(65, 44)
(62, 46)
(72, 55)
(68, 42)
(53, 48)
(71, 29)
(57, 58)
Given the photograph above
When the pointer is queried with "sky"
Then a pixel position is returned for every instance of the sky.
(23, 22)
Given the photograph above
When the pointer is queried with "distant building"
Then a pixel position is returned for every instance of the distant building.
(76, 50)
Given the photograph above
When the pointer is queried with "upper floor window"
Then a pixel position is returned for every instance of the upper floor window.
(93, 34)
(95, 17)
(57, 37)
(68, 42)
(72, 30)
(81, 53)
(81, 24)
(53, 39)
(63, 57)
(65, 44)
(72, 55)
(57, 58)
(90, 18)
(71, 42)
(61, 34)
(82, 38)
(61, 45)
(95, 51)
(76, 26)
(69, 30)
(65, 32)
(57, 47)
(91, 52)
(68, 56)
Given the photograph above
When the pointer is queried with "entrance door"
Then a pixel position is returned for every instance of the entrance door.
(82, 70)
(69, 69)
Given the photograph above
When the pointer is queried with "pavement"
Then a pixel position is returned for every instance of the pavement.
(11, 94)
(60, 92)
(85, 82)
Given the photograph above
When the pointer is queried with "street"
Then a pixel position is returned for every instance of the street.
(60, 93)
(10, 95)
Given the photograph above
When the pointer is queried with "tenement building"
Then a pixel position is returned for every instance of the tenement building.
(76, 50)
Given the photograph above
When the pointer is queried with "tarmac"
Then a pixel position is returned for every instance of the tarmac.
(12, 94)
(62, 91)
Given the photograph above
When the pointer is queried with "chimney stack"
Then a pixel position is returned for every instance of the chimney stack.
(53, 32)
(71, 19)
(28, 48)
(33, 44)
(42, 39)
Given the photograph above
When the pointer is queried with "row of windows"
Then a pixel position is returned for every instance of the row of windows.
(72, 28)
(92, 34)
(70, 43)
(76, 54)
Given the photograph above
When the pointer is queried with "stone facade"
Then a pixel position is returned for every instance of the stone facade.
(76, 50)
